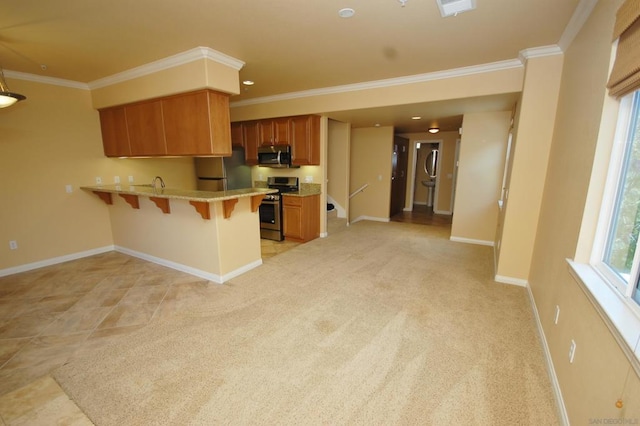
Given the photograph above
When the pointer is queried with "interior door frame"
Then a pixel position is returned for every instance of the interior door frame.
(455, 176)
(406, 142)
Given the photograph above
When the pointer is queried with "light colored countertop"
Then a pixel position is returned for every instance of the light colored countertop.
(180, 194)
(305, 191)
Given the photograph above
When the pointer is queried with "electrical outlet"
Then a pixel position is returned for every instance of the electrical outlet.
(555, 319)
(98, 180)
(68, 188)
(130, 179)
(13, 245)
(572, 351)
(308, 179)
(116, 179)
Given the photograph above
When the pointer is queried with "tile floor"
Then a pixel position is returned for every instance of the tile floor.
(50, 315)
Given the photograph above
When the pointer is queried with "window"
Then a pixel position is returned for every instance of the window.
(617, 255)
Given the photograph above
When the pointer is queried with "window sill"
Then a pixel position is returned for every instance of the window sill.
(621, 319)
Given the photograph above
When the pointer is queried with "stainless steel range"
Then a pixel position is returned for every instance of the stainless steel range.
(271, 226)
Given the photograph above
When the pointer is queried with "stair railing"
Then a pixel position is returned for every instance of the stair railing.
(359, 190)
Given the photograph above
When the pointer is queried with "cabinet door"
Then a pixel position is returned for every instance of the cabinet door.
(292, 220)
(220, 123)
(311, 224)
(115, 138)
(281, 130)
(274, 131)
(197, 123)
(305, 144)
(237, 135)
(144, 125)
(265, 132)
(251, 133)
(301, 217)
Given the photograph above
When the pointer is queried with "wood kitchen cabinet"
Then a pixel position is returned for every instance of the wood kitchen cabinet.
(194, 123)
(115, 138)
(237, 135)
(197, 123)
(274, 131)
(251, 135)
(301, 132)
(305, 140)
(145, 128)
(301, 217)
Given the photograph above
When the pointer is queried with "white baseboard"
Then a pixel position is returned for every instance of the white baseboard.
(471, 241)
(219, 279)
(420, 203)
(555, 384)
(372, 218)
(173, 265)
(54, 261)
(445, 212)
(242, 270)
(510, 280)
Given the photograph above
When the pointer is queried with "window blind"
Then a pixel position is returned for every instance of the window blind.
(625, 75)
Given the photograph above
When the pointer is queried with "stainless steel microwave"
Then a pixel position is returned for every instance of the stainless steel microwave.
(274, 156)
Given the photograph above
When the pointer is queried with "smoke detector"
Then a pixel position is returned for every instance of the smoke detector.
(453, 7)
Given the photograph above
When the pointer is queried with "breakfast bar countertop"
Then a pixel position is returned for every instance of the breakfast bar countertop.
(180, 194)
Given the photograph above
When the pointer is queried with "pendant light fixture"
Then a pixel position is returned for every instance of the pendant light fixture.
(8, 98)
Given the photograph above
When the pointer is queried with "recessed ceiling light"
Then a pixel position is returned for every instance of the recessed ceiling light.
(415, 117)
(347, 12)
(248, 82)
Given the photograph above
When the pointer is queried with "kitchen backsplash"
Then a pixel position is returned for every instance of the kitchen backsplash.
(310, 187)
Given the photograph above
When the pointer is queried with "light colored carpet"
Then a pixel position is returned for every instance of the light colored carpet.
(382, 323)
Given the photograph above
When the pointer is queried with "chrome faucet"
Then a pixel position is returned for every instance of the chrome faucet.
(153, 182)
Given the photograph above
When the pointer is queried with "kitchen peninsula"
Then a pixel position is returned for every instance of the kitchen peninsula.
(213, 235)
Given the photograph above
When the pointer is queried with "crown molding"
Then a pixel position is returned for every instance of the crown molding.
(536, 52)
(45, 80)
(390, 82)
(579, 17)
(208, 53)
(191, 55)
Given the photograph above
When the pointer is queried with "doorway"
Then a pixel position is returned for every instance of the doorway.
(420, 209)
(427, 175)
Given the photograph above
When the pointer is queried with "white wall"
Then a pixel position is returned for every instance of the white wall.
(338, 166)
(371, 151)
(481, 166)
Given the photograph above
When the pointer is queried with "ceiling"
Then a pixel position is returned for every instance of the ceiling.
(287, 46)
